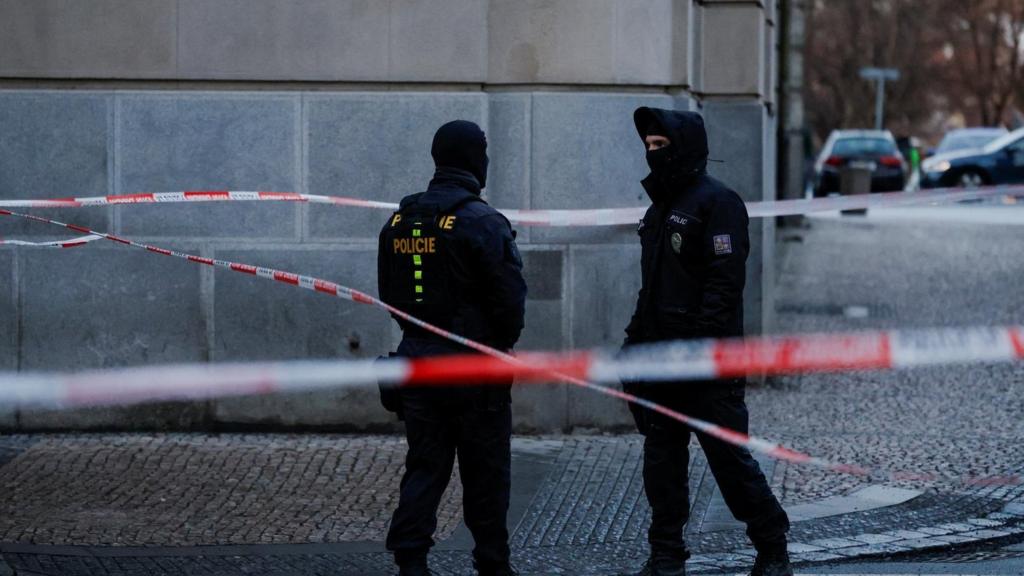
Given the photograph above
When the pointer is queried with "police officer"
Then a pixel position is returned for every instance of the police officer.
(694, 245)
(448, 258)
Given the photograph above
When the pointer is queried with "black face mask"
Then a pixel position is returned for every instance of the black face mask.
(662, 162)
(461, 144)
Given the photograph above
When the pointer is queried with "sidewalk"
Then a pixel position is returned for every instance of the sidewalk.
(126, 505)
(299, 504)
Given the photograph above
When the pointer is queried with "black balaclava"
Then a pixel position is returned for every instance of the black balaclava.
(461, 144)
(685, 156)
(663, 162)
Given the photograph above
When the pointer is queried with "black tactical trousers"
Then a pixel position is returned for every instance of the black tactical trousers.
(474, 424)
(666, 457)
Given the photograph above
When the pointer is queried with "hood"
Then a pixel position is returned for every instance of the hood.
(448, 188)
(684, 129)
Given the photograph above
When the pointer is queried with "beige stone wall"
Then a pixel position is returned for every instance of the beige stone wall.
(716, 47)
(342, 97)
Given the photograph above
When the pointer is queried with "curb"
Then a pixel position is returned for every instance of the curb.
(1009, 523)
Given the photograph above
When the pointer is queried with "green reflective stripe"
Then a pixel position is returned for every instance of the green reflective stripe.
(418, 274)
(419, 299)
(419, 289)
(416, 233)
(417, 259)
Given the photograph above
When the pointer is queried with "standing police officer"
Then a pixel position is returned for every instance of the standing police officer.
(694, 244)
(448, 258)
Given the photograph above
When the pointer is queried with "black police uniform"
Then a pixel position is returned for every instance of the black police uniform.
(694, 243)
(448, 258)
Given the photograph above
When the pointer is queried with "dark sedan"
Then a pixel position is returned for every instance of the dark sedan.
(999, 162)
(873, 149)
(968, 139)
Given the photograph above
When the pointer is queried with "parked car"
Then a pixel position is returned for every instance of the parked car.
(998, 162)
(968, 138)
(874, 149)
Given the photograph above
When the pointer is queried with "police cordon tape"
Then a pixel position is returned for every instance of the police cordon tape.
(63, 391)
(675, 361)
(553, 218)
(71, 243)
(126, 386)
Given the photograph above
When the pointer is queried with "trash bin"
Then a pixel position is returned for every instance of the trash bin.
(855, 178)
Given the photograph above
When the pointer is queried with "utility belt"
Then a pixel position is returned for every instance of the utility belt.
(486, 396)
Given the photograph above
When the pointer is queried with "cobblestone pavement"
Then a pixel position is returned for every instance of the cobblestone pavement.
(186, 489)
(319, 504)
(956, 422)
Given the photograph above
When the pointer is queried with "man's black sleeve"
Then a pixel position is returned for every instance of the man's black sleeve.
(635, 327)
(382, 267)
(496, 255)
(726, 243)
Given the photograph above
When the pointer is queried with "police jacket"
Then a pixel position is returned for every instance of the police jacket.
(457, 268)
(694, 243)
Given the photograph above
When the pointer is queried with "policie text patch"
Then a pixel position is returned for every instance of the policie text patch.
(723, 244)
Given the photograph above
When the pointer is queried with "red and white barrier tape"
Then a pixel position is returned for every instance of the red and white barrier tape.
(689, 360)
(880, 200)
(554, 218)
(672, 361)
(70, 243)
(68, 390)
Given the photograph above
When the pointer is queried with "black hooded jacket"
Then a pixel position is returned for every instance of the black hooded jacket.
(485, 280)
(694, 242)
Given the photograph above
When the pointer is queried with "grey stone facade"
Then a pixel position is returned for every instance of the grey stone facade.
(343, 98)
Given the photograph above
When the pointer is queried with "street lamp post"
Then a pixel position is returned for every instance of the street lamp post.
(880, 76)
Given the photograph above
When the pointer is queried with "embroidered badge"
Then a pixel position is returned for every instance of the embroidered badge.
(677, 242)
(723, 244)
(676, 218)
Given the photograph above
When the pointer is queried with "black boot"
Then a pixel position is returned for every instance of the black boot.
(505, 569)
(772, 564)
(659, 565)
(414, 568)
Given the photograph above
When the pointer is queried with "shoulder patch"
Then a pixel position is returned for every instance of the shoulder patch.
(723, 244)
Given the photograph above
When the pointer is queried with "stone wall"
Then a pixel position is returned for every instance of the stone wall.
(342, 97)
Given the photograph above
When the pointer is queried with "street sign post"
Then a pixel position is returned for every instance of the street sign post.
(880, 76)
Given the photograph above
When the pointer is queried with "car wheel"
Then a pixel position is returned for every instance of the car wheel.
(970, 179)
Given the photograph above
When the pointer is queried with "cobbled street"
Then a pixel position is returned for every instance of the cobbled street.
(133, 504)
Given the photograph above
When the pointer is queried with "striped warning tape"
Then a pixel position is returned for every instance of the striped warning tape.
(689, 360)
(70, 243)
(100, 388)
(555, 218)
(673, 361)
(551, 218)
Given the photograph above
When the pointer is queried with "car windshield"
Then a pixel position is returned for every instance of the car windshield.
(1004, 141)
(863, 147)
(962, 141)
